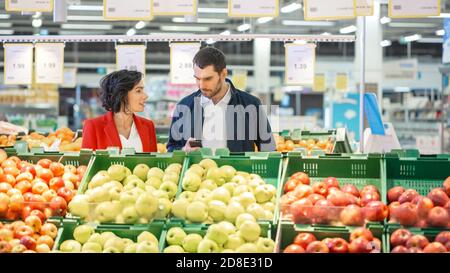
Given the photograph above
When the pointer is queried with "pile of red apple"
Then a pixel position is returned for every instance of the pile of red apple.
(403, 241)
(327, 202)
(43, 189)
(27, 236)
(409, 208)
(361, 241)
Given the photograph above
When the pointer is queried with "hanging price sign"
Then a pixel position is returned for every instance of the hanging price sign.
(130, 57)
(253, 8)
(299, 64)
(127, 10)
(329, 10)
(49, 61)
(29, 5)
(18, 64)
(181, 67)
(414, 9)
(364, 7)
(175, 7)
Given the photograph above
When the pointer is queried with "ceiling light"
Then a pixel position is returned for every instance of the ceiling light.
(212, 10)
(210, 41)
(140, 25)
(86, 8)
(411, 25)
(184, 28)
(412, 38)
(300, 42)
(443, 15)
(385, 43)
(200, 20)
(244, 27)
(326, 33)
(86, 26)
(347, 30)
(84, 18)
(385, 20)
(264, 20)
(37, 15)
(430, 40)
(226, 32)
(291, 7)
(440, 32)
(131, 32)
(307, 23)
(6, 31)
(36, 23)
(5, 16)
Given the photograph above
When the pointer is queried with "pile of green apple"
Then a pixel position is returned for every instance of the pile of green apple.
(224, 237)
(212, 194)
(87, 240)
(121, 196)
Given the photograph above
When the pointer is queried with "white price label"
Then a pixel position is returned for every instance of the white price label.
(49, 61)
(300, 64)
(18, 64)
(364, 7)
(414, 9)
(127, 10)
(181, 67)
(70, 78)
(253, 8)
(175, 7)
(131, 57)
(29, 5)
(329, 10)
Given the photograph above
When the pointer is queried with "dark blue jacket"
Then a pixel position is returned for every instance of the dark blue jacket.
(247, 125)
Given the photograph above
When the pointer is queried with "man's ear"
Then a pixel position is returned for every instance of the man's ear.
(224, 73)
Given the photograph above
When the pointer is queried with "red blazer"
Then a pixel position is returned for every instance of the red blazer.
(101, 133)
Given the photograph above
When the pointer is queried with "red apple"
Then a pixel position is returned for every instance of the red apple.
(351, 189)
(18, 249)
(5, 187)
(317, 247)
(39, 214)
(359, 245)
(315, 197)
(361, 233)
(47, 240)
(10, 179)
(57, 169)
(408, 196)
(376, 211)
(34, 222)
(320, 188)
(324, 211)
(447, 186)
(339, 199)
(302, 191)
(23, 231)
(23, 186)
(44, 163)
(12, 171)
(438, 217)
(370, 188)
(338, 245)
(447, 246)
(293, 248)
(443, 237)
(65, 193)
(376, 245)
(27, 196)
(302, 177)
(38, 202)
(49, 229)
(6, 234)
(81, 170)
(303, 239)
(300, 211)
(369, 196)
(26, 212)
(400, 249)
(49, 194)
(290, 185)
(352, 215)
(8, 163)
(424, 205)
(435, 247)
(5, 247)
(415, 250)
(29, 242)
(419, 241)
(332, 182)
(44, 174)
(394, 193)
(39, 188)
(400, 237)
(28, 168)
(55, 183)
(26, 176)
(58, 205)
(70, 169)
(439, 197)
(405, 214)
(16, 202)
(15, 159)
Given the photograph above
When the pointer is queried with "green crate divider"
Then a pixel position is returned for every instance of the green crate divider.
(163, 138)
(421, 173)
(288, 231)
(122, 231)
(269, 165)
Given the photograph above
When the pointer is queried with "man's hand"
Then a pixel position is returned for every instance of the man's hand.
(188, 148)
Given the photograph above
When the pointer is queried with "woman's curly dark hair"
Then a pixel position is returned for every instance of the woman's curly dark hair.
(115, 86)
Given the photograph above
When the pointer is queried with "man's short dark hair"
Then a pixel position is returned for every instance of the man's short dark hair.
(210, 56)
(115, 86)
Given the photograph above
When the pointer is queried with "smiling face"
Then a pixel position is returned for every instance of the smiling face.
(137, 98)
(209, 81)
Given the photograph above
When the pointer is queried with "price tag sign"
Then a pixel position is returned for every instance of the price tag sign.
(49, 62)
(29, 5)
(181, 66)
(414, 9)
(239, 79)
(253, 8)
(329, 10)
(70, 78)
(364, 7)
(127, 10)
(18, 64)
(300, 62)
(319, 83)
(341, 82)
(130, 57)
(175, 7)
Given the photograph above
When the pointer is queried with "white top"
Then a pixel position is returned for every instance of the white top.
(214, 134)
(133, 141)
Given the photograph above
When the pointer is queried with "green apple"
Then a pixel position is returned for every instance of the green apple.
(117, 172)
(155, 172)
(173, 249)
(92, 247)
(115, 242)
(96, 238)
(244, 174)
(174, 167)
(191, 241)
(246, 199)
(221, 194)
(233, 211)
(230, 187)
(130, 178)
(164, 208)
(135, 183)
(228, 172)
(265, 245)
(169, 187)
(113, 184)
(171, 176)
(208, 184)
(175, 236)
(257, 211)
(228, 227)
(203, 195)
(244, 217)
(217, 234)
(240, 189)
(268, 215)
(119, 219)
(130, 214)
(255, 176)
(216, 175)
(105, 236)
(247, 248)
(114, 193)
(227, 251)
(106, 211)
(179, 207)
(111, 250)
(216, 210)
(149, 188)
(250, 231)
(263, 193)
(147, 236)
(207, 246)
(188, 195)
(147, 247)
(131, 248)
(127, 198)
(191, 182)
(269, 206)
(160, 194)
(146, 205)
(141, 171)
(239, 180)
(99, 180)
(154, 182)
(70, 246)
(196, 212)
(234, 241)
(199, 170)
(207, 164)
(98, 195)
(79, 206)
(143, 220)
(83, 232)
(127, 172)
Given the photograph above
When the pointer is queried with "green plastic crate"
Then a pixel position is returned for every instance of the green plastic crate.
(162, 138)
(287, 232)
(72, 158)
(122, 231)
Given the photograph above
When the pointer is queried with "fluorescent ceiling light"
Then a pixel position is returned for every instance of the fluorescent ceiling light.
(84, 18)
(430, 40)
(184, 28)
(347, 30)
(264, 20)
(385, 43)
(140, 25)
(412, 38)
(201, 20)
(226, 32)
(291, 7)
(5, 16)
(6, 31)
(325, 33)
(307, 23)
(36, 23)
(300, 42)
(131, 32)
(443, 15)
(86, 8)
(212, 10)
(440, 32)
(86, 26)
(411, 25)
(244, 27)
(385, 20)
(210, 41)
(37, 15)
(402, 89)
(5, 24)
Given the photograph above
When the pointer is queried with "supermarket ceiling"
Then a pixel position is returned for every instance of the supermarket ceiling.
(85, 17)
